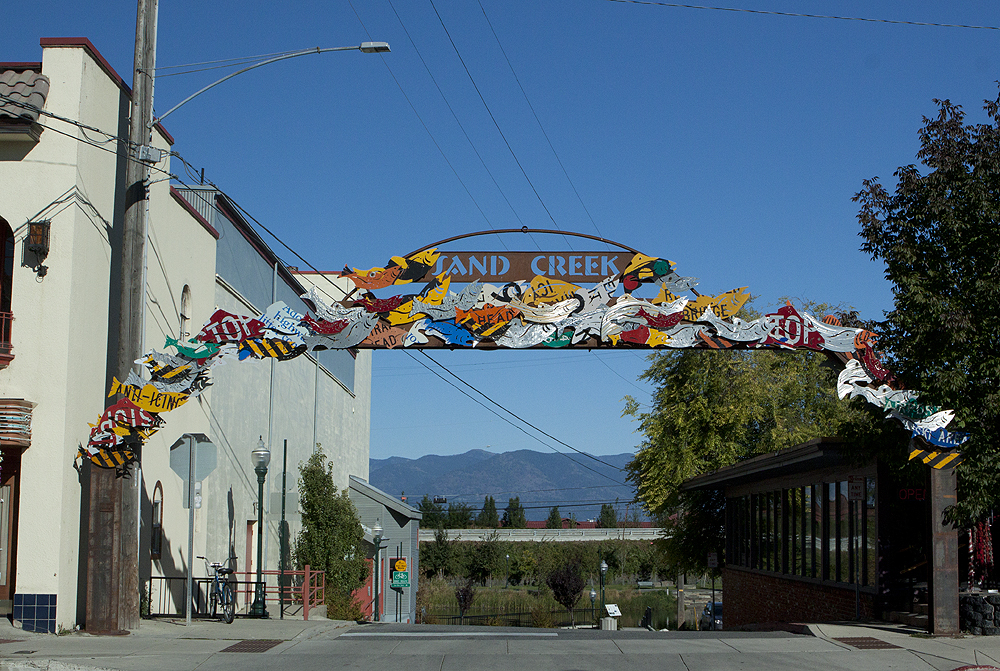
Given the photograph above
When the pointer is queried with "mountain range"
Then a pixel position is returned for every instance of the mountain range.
(577, 483)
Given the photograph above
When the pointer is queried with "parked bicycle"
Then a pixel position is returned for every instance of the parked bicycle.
(221, 595)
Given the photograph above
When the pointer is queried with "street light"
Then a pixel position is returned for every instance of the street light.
(364, 47)
(507, 581)
(377, 532)
(604, 571)
(260, 458)
(593, 598)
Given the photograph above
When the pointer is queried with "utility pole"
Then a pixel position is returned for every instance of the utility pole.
(113, 538)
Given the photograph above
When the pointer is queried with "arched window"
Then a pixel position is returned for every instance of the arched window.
(156, 536)
(185, 313)
(6, 281)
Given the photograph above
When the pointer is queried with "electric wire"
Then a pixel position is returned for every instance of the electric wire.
(519, 428)
(495, 123)
(426, 128)
(539, 122)
(519, 418)
(225, 60)
(529, 491)
(455, 116)
(806, 16)
(38, 110)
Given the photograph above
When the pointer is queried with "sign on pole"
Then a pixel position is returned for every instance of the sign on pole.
(400, 579)
(713, 560)
(855, 488)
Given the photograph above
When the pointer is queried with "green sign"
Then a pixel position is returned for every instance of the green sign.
(400, 578)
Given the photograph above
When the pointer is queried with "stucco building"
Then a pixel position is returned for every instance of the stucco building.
(62, 178)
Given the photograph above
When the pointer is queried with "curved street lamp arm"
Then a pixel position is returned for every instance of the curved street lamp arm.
(365, 47)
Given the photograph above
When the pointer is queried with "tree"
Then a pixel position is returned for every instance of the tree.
(566, 583)
(713, 408)
(513, 515)
(465, 594)
(554, 520)
(436, 557)
(331, 537)
(459, 516)
(434, 516)
(488, 517)
(486, 558)
(608, 519)
(939, 237)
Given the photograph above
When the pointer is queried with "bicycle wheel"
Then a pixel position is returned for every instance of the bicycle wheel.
(214, 599)
(228, 603)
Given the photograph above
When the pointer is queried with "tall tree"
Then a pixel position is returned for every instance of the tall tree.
(436, 557)
(459, 516)
(608, 519)
(567, 583)
(488, 517)
(939, 237)
(434, 516)
(713, 408)
(513, 515)
(331, 538)
(554, 520)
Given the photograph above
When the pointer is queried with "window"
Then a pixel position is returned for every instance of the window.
(156, 535)
(812, 531)
(185, 330)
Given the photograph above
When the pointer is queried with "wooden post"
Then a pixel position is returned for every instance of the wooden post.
(305, 594)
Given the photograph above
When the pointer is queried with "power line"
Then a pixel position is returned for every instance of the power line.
(490, 112)
(426, 128)
(517, 417)
(519, 428)
(532, 491)
(453, 114)
(539, 121)
(806, 16)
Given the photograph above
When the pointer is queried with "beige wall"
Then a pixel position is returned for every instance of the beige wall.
(60, 330)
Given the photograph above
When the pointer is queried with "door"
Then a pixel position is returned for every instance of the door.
(10, 469)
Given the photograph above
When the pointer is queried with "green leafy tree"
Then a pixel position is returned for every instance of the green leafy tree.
(331, 538)
(486, 558)
(434, 515)
(459, 516)
(608, 519)
(939, 237)
(714, 408)
(436, 557)
(554, 520)
(567, 583)
(488, 517)
(513, 515)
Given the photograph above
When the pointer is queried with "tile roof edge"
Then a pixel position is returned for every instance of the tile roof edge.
(22, 66)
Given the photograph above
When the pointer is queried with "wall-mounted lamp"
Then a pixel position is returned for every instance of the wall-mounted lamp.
(36, 246)
(37, 241)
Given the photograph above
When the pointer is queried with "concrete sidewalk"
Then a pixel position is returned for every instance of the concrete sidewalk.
(326, 644)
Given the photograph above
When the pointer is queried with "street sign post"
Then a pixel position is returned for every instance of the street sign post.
(400, 579)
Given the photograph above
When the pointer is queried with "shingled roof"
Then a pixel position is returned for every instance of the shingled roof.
(22, 94)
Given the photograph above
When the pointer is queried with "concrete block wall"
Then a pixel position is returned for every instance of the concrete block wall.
(753, 599)
(979, 613)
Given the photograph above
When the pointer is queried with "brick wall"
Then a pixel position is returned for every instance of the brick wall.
(753, 598)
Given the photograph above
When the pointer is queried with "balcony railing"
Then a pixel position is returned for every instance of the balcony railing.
(6, 349)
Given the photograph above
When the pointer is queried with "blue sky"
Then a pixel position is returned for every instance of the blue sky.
(728, 142)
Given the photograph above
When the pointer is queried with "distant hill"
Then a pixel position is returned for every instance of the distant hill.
(469, 477)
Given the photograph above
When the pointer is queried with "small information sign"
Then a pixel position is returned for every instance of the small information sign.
(613, 610)
(400, 579)
(855, 488)
(713, 560)
(399, 564)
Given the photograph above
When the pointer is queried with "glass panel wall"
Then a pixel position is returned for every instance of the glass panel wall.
(811, 531)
